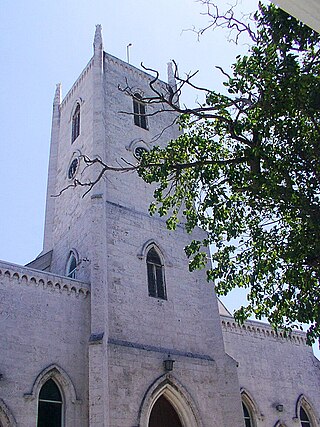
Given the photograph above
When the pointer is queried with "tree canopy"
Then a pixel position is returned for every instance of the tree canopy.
(246, 169)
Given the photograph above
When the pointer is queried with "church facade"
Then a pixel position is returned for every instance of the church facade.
(107, 327)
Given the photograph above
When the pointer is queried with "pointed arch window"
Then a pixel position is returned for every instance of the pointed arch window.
(247, 416)
(71, 266)
(155, 268)
(249, 409)
(304, 419)
(139, 112)
(50, 406)
(305, 413)
(75, 123)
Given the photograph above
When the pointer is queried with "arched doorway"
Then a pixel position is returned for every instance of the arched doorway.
(163, 414)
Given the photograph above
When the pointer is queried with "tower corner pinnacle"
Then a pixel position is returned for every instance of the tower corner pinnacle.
(97, 42)
(171, 77)
(57, 95)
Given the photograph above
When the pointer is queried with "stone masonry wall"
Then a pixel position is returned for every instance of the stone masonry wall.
(189, 318)
(273, 370)
(206, 387)
(71, 225)
(188, 321)
(44, 321)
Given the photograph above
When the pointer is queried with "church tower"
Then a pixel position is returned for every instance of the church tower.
(107, 327)
(146, 307)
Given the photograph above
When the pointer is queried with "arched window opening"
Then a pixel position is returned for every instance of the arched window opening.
(139, 151)
(163, 414)
(50, 405)
(251, 412)
(73, 168)
(304, 419)
(139, 112)
(156, 284)
(247, 416)
(76, 123)
(71, 266)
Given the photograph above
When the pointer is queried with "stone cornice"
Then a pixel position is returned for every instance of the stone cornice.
(43, 280)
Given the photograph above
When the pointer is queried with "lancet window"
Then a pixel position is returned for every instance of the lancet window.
(139, 112)
(155, 268)
(71, 266)
(304, 419)
(50, 406)
(75, 123)
(246, 416)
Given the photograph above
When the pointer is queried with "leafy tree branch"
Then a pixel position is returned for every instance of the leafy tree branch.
(251, 175)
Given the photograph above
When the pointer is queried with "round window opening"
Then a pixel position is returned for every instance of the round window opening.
(73, 168)
(139, 151)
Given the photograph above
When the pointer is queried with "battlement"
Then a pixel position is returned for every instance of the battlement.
(76, 84)
(20, 275)
(252, 327)
(128, 69)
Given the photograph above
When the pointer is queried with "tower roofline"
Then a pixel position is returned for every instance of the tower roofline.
(76, 83)
(98, 45)
(125, 64)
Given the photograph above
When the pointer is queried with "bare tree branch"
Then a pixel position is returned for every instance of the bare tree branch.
(226, 20)
(130, 168)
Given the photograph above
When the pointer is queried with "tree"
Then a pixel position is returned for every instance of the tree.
(246, 169)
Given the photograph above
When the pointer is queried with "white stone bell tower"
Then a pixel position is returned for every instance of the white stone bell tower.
(145, 304)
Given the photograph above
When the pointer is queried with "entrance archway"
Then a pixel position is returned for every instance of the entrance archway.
(167, 395)
(163, 414)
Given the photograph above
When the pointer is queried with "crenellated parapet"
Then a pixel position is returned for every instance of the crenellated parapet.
(264, 330)
(130, 70)
(19, 275)
(76, 84)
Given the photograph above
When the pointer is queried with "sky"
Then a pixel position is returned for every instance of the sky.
(46, 42)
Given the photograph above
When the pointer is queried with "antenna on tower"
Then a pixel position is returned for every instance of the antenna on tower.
(128, 57)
